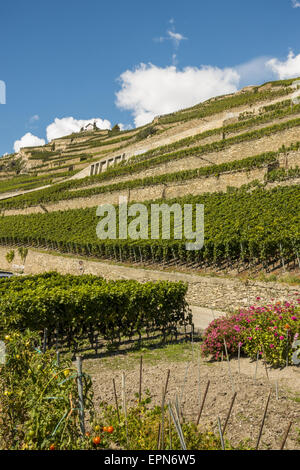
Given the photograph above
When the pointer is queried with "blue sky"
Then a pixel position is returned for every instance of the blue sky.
(125, 62)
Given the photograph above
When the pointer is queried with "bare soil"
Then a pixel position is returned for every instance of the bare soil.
(248, 409)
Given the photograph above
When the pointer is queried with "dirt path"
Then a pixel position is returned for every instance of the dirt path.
(250, 401)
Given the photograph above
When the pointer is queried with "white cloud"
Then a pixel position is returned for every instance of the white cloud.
(68, 125)
(28, 140)
(295, 4)
(288, 68)
(149, 90)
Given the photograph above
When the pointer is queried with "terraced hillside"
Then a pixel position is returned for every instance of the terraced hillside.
(238, 155)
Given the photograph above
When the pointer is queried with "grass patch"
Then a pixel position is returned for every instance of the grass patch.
(181, 351)
(287, 279)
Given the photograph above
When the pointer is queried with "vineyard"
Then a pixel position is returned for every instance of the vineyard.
(72, 308)
(97, 364)
(48, 401)
(62, 191)
(279, 112)
(212, 107)
(52, 195)
(241, 226)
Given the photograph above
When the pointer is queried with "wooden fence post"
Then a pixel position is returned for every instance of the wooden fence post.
(80, 393)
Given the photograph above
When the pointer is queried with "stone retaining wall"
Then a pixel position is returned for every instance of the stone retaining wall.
(204, 291)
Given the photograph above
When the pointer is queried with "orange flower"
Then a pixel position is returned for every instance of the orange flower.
(287, 326)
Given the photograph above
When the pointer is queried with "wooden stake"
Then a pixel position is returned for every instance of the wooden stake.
(162, 440)
(167, 382)
(229, 369)
(141, 373)
(229, 412)
(203, 401)
(257, 356)
(287, 348)
(124, 403)
(116, 399)
(170, 431)
(199, 384)
(286, 435)
(263, 422)
(158, 437)
(282, 258)
(298, 258)
(80, 393)
(177, 407)
(221, 435)
(176, 421)
(265, 362)
(192, 334)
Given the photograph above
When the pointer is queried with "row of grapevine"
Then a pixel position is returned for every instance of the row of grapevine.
(76, 307)
(245, 224)
(63, 191)
(142, 162)
(277, 113)
(31, 181)
(59, 191)
(218, 105)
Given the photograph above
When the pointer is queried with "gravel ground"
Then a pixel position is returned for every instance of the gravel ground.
(250, 402)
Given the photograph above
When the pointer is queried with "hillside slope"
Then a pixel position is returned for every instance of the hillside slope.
(238, 155)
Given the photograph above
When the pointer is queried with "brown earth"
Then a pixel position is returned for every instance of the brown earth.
(247, 413)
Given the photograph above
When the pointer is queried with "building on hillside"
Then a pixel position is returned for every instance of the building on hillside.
(89, 127)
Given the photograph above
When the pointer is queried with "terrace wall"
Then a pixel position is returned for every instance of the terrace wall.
(204, 291)
(168, 190)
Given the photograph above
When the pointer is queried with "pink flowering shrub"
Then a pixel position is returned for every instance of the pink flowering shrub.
(229, 328)
(268, 330)
(273, 329)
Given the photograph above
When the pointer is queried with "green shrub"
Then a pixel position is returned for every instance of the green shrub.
(39, 398)
(78, 306)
